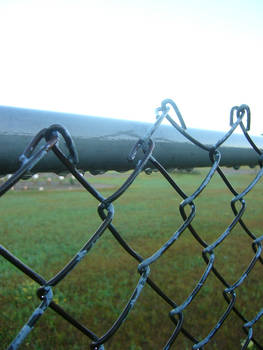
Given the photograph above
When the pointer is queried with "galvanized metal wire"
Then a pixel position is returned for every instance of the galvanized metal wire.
(142, 154)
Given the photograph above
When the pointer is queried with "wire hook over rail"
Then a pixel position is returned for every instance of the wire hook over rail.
(143, 153)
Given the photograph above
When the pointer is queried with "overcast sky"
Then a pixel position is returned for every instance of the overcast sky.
(121, 58)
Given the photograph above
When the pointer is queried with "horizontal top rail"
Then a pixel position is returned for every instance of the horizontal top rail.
(103, 144)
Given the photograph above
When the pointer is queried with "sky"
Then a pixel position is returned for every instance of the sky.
(121, 58)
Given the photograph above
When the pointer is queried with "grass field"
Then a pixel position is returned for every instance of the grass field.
(45, 229)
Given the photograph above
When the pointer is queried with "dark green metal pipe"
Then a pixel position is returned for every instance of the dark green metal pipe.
(104, 144)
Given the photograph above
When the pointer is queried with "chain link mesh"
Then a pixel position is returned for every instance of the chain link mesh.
(187, 209)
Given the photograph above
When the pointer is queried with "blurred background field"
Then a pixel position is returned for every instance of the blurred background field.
(47, 219)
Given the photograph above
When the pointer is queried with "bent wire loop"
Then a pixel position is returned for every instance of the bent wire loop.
(142, 155)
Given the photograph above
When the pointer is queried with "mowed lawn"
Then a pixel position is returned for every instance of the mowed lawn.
(45, 229)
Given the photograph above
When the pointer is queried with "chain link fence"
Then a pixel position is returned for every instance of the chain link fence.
(142, 156)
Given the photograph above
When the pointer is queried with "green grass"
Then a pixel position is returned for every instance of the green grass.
(45, 229)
